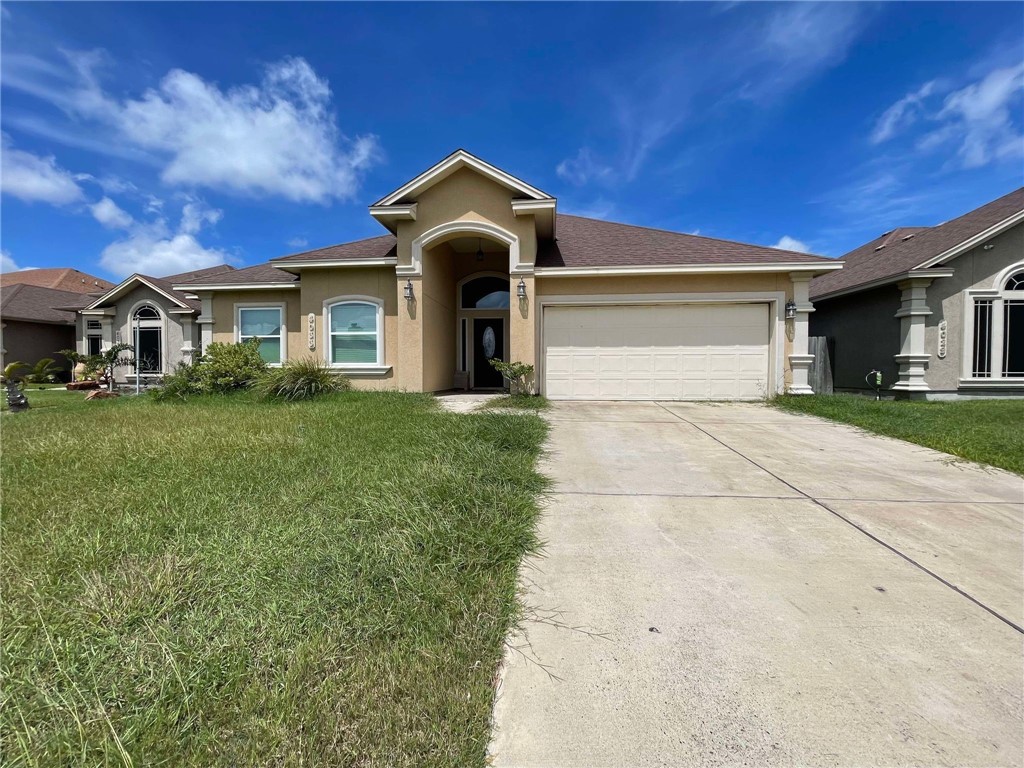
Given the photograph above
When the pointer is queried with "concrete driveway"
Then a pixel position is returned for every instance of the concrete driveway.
(732, 585)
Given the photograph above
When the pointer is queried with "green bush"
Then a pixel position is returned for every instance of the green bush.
(229, 367)
(178, 385)
(300, 380)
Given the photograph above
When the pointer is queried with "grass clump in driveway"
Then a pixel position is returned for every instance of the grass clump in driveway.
(519, 402)
(235, 582)
(986, 431)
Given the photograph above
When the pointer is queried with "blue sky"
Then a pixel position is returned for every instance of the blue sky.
(158, 137)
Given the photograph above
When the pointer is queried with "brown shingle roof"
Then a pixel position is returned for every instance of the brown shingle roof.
(381, 247)
(59, 278)
(261, 273)
(901, 253)
(582, 242)
(33, 303)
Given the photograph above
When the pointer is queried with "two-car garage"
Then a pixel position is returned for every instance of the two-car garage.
(657, 351)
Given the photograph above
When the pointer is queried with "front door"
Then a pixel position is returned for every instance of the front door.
(488, 342)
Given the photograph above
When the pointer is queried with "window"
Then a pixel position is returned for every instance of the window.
(997, 333)
(93, 325)
(147, 338)
(263, 323)
(95, 344)
(354, 333)
(486, 292)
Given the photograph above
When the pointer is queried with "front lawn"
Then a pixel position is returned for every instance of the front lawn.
(987, 431)
(229, 582)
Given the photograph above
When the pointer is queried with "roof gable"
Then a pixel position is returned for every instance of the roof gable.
(133, 282)
(457, 160)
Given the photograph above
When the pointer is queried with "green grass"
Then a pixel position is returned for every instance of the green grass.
(50, 397)
(230, 582)
(521, 402)
(986, 431)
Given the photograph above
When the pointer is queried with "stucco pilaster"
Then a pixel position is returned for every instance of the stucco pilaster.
(523, 322)
(799, 360)
(912, 359)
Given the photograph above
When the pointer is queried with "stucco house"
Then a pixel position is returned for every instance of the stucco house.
(939, 310)
(148, 313)
(478, 264)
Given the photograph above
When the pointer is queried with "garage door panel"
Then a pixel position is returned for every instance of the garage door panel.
(664, 351)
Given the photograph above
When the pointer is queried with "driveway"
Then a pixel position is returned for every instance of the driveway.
(733, 585)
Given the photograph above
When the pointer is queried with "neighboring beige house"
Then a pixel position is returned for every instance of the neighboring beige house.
(479, 265)
(939, 310)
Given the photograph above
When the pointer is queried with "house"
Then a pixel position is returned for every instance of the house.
(36, 322)
(939, 310)
(477, 264)
(151, 315)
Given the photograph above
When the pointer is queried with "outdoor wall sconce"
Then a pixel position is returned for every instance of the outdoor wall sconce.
(790, 310)
(408, 291)
(521, 289)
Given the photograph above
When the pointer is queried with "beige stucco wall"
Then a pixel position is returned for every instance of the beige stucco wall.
(224, 304)
(467, 196)
(975, 269)
(437, 305)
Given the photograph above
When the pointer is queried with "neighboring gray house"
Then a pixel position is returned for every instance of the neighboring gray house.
(148, 313)
(939, 310)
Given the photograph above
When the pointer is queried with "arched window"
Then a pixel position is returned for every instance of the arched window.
(355, 333)
(486, 292)
(998, 329)
(147, 338)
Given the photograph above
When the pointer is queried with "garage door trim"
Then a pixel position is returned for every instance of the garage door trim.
(774, 299)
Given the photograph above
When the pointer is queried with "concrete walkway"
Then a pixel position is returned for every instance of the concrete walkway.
(732, 585)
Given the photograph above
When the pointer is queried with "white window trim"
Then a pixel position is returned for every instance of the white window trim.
(161, 324)
(265, 305)
(996, 341)
(377, 368)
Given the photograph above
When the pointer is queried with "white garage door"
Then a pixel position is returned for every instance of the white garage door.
(656, 352)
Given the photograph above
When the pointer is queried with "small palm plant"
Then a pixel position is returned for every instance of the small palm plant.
(45, 370)
(14, 371)
(109, 360)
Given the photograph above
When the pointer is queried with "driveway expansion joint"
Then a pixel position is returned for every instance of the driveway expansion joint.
(854, 525)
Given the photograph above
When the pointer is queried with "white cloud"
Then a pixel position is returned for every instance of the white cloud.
(583, 168)
(787, 243)
(36, 179)
(597, 209)
(980, 118)
(110, 215)
(153, 248)
(902, 114)
(981, 122)
(297, 242)
(7, 263)
(278, 137)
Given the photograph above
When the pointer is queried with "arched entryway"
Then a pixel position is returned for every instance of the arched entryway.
(482, 332)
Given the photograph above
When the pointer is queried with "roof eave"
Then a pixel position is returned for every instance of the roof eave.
(237, 287)
(682, 269)
(974, 241)
(882, 281)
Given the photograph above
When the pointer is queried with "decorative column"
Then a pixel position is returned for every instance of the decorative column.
(188, 347)
(912, 359)
(205, 321)
(799, 361)
(107, 328)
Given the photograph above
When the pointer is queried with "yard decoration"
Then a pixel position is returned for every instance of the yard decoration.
(16, 400)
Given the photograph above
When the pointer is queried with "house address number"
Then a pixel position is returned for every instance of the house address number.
(942, 338)
(311, 326)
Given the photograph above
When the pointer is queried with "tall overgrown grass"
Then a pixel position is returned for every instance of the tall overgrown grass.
(238, 583)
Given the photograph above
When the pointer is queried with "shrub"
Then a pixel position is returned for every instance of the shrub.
(228, 367)
(45, 370)
(518, 375)
(178, 385)
(300, 380)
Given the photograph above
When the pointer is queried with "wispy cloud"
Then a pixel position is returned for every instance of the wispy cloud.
(7, 263)
(278, 137)
(601, 208)
(659, 93)
(110, 214)
(33, 178)
(979, 122)
(297, 242)
(787, 243)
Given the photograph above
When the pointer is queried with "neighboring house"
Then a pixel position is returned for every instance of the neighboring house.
(151, 315)
(939, 310)
(61, 279)
(37, 322)
(478, 265)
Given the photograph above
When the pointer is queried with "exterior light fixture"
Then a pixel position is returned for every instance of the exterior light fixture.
(790, 309)
(479, 250)
(408, 290)
(521, 289)
(988, 246)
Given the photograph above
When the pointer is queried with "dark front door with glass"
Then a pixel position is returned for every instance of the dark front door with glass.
(488, 342)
